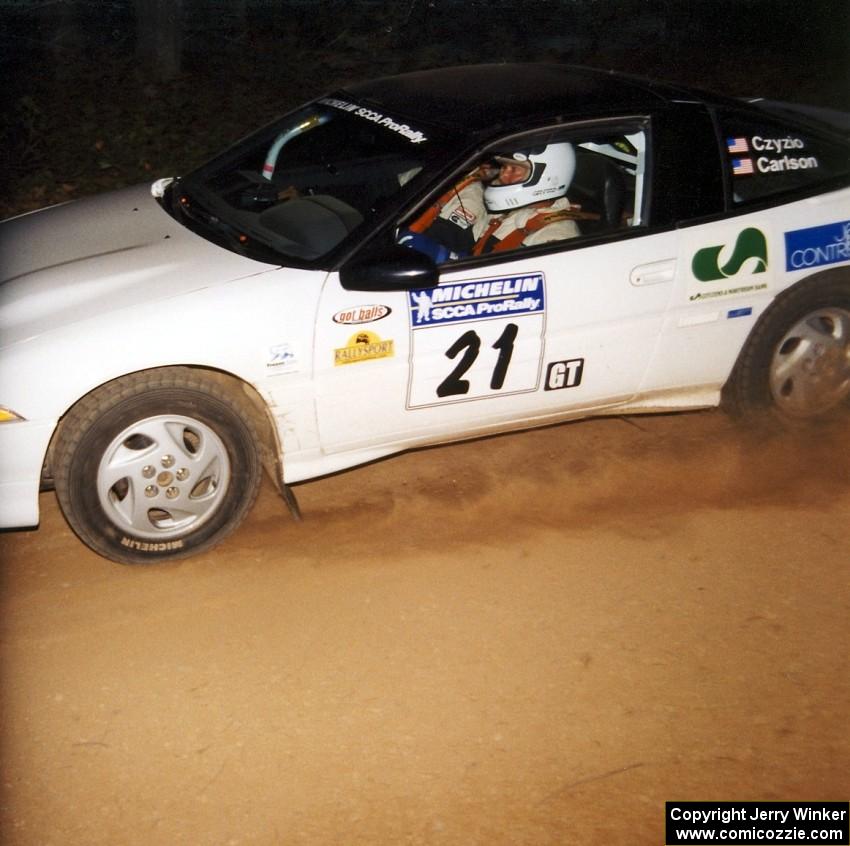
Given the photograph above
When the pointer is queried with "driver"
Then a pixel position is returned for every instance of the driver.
(527, 202)
(508, 201)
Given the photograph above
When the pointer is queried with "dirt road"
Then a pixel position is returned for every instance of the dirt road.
(533, 639)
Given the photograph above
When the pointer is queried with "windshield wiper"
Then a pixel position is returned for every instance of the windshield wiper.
(196, 217)
(186, 206)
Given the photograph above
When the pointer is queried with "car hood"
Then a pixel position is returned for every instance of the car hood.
(71, 262)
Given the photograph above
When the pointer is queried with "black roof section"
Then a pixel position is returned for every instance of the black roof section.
(477, 98)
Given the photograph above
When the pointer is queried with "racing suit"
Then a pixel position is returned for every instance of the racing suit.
(527, 227)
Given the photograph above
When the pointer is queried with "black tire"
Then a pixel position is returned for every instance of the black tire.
(796, 363)
(157, 465)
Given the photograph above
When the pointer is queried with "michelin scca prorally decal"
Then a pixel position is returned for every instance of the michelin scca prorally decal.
(476, 300)
(742, 261)
(476, 338)
(817, 246)
(415, 136)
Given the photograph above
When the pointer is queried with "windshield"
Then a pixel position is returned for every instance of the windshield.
(298, 188)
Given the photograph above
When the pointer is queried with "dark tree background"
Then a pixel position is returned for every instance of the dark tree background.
(103, 93)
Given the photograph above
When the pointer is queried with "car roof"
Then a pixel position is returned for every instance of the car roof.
(477, 98)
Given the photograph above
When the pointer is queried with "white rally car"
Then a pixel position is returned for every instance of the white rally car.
(283, 306)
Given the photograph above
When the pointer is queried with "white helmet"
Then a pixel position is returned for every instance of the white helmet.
(550, 173)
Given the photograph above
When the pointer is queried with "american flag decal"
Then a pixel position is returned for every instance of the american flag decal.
(741, 167)
(737, 145)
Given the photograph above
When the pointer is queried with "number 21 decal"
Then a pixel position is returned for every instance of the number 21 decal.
(470, 344)
(476, 339)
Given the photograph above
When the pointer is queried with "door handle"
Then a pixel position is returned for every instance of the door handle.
(653, 273)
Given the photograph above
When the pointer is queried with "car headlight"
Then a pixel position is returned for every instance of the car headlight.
(8, 416)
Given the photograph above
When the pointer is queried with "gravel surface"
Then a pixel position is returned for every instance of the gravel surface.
(531, 639)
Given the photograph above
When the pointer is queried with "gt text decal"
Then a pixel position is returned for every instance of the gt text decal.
(476, 338)
(742, 260)
(817, 246)
(563, 374)
(363, 346)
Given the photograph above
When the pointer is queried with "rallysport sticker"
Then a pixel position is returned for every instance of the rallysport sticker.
(363, 346)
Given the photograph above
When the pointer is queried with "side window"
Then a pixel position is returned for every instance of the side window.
(766, 157)
(536, 189)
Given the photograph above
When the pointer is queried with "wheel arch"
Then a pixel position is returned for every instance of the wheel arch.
(271, 451)
(822, 279)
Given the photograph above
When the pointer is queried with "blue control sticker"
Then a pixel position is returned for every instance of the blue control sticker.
(817, 246)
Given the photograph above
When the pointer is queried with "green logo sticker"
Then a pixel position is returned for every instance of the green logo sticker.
(750, 244)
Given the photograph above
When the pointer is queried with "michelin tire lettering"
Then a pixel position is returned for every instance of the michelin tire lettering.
(145, 546)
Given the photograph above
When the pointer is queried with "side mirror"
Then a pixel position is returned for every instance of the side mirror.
(394, 269)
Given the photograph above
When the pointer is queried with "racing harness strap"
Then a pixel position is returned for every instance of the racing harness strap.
(422, 223)
(514, 239)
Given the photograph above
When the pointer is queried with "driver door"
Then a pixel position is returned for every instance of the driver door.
(503, 345)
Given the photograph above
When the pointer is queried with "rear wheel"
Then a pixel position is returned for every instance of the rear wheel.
(797, 361)
(157, 465)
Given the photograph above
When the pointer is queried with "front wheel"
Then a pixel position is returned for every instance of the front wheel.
(157, 466)
(797, 361)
